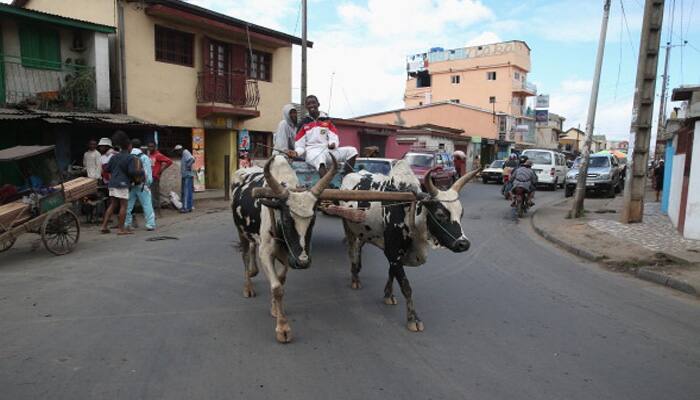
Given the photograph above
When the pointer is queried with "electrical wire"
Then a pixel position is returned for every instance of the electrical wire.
(296, 25)
(629, 34)
(619, 61)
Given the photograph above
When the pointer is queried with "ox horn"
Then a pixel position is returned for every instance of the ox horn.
(325, 180)
(429, 185)
(459, 183)
(276, 187)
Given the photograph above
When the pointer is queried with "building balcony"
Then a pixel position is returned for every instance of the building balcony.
(46, 85)
(524, 88)
(228, 94)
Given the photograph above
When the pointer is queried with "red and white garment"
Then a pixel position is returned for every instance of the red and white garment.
(312, 141)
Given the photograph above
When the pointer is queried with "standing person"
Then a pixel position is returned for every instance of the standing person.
(283, 141)
(141, 191)
(187, 173)
(91, 160)
(659, 178)
(159, 163)
(476, 164)
(106, 153)
(317, 137)
(121, 168)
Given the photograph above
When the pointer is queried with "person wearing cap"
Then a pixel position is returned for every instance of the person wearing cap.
(104, 147)
(187, 173)
(91, 160)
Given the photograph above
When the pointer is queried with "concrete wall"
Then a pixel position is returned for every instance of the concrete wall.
(674, 200)
(97, 11)
(473, 122)
(668, 168)
(691, 229)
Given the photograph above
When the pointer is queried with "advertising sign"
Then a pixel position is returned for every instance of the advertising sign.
(198, 154)
(244, 149)
(542, 101)
(541, 117)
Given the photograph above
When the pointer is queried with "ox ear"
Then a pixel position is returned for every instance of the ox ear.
(271, 202)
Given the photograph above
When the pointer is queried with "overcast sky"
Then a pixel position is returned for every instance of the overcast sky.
(360, 47)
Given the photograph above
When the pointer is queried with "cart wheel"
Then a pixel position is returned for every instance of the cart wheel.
(6, 244)
(60, 232)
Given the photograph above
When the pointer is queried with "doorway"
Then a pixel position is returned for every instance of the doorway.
(216, 146)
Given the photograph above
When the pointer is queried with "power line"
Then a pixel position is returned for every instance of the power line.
(629, 34)
(619, 61)
(296, 25)
(347, 101)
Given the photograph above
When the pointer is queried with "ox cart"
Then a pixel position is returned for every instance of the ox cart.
(37, 200)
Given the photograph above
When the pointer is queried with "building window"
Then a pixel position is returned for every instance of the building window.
(260, 66)
(516, 75)
(174, 47)
(491, 76)
(492, 100)
(423, 79)
(455, 79)
(455, 101)
(260, 144)
(40, 47)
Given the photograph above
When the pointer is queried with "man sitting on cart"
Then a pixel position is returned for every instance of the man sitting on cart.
(317, 138)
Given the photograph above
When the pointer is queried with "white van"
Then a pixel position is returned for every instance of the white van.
(549, 165)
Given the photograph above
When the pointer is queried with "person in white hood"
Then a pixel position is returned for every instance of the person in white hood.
(283, 141)
(317, 138)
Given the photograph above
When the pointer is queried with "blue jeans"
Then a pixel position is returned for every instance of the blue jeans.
(187, 193)
(143, 195)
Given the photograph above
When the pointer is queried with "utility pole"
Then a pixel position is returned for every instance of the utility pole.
(642, 111)
(577, 208)
(664, 88)
(303, 57)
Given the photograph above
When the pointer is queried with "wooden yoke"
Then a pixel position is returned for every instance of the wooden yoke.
(347, 195)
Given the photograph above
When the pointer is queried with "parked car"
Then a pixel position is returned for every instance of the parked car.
(494, 172)
(604, 175)
(375, 165)
(550, 167)
(421, 161)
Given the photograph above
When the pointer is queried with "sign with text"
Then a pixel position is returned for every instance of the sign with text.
(542, 101)
(199, 162)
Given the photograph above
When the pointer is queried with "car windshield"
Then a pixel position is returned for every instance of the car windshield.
(420, 160)
(497, 164)
(539, 157)
(595, 162)
(375, 166)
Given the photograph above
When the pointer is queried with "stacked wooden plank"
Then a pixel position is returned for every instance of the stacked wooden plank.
(14, 212)
(78, 188)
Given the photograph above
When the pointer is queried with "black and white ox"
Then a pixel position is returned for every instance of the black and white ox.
(404, 231)
(274, 229)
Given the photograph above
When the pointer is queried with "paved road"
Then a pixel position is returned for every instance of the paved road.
(512, 318)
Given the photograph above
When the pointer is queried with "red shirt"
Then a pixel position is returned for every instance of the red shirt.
(157, 160)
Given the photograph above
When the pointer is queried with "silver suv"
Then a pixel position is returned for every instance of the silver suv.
(604, 175)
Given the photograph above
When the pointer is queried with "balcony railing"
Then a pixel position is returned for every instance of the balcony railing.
(45, 84)
(526, 87)
(227, 88)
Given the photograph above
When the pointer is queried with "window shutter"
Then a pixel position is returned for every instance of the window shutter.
(238, 56)
(208, 85)
(40, 47)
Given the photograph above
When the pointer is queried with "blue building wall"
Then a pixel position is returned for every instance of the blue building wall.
(668, 167)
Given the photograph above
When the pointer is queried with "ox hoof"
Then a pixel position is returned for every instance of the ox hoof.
(284, 335)
(356, 285)
(248, 292)
(390, 301)
(415, 326)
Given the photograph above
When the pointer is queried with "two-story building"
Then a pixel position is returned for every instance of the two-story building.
(548, 132)
(201, 75)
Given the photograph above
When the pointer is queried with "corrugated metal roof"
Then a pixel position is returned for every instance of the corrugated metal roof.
(64, 117)
(20, 152)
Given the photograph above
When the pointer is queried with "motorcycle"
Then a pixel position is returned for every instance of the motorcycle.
(521, 204)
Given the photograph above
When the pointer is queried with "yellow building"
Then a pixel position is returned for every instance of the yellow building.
(193, 71)
(572, 140)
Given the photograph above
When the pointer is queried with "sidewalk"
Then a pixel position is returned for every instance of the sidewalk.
(652, 250)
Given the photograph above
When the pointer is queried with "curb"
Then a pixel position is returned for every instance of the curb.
(650, 275)
(583, 253)
(644, 273)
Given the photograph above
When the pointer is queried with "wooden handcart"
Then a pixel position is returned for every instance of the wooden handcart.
(41, 209)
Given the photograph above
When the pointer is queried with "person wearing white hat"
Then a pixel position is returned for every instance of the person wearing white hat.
(104, 146)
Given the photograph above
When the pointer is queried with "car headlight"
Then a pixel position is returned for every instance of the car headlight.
(604, 176)
(571, 175)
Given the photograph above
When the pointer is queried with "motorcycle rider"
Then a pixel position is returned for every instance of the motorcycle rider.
(524, 177)
(508, 167)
